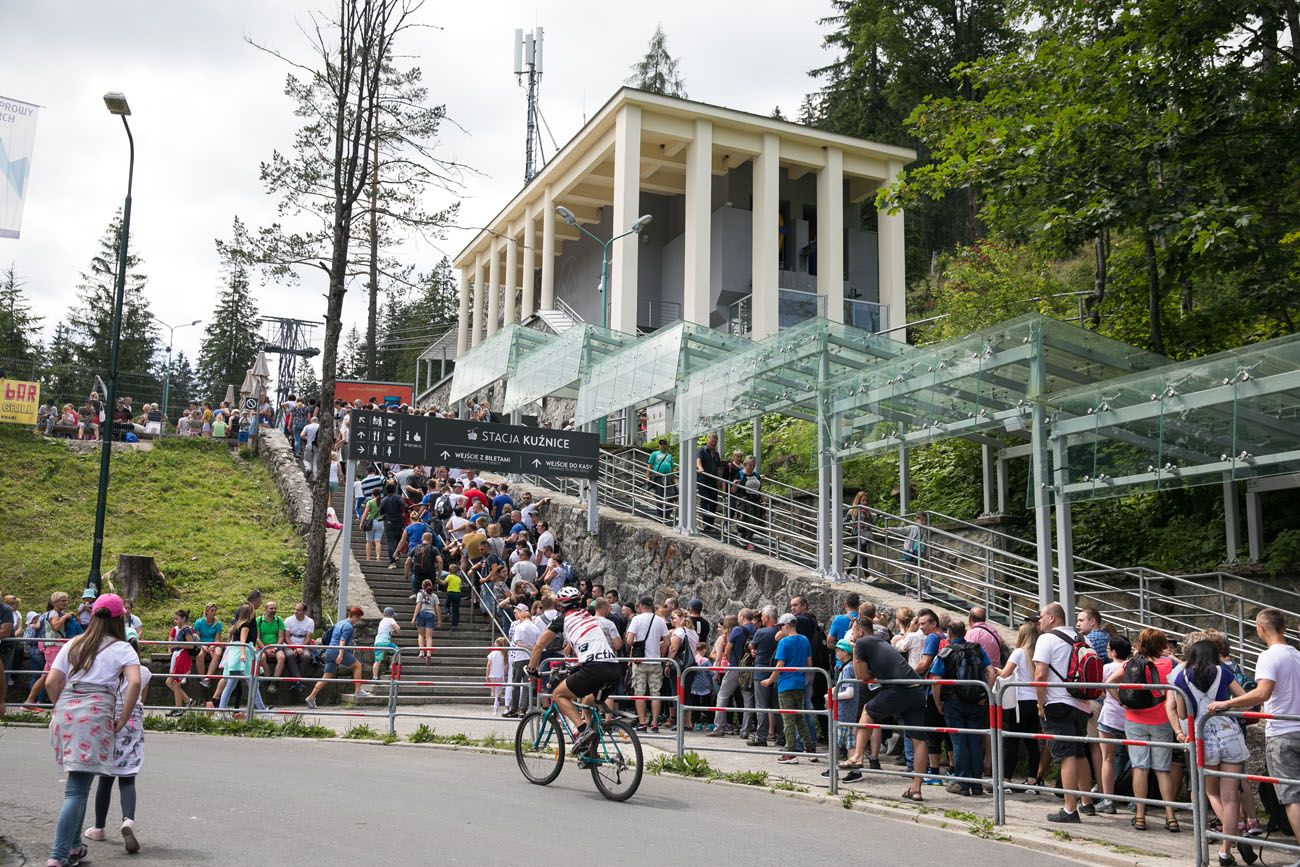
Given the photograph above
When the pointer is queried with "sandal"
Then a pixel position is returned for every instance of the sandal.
(1139, 823)
(909, 795)
(1171, 825)
(847, 765)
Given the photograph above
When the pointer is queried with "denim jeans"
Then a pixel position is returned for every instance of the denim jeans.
(67, 833)
(728, 691)
(968, 750)
(229, 687)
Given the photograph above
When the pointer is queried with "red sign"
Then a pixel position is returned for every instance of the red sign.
(352, 390)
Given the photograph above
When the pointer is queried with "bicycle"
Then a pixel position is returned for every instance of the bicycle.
(614, 758)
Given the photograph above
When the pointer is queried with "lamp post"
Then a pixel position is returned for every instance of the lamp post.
(167, 372)
(117, 105)
(641, 222)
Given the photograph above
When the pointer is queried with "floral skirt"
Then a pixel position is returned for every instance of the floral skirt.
(81, 728)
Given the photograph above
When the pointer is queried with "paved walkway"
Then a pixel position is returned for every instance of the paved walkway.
(340, 804)
(1109, 839)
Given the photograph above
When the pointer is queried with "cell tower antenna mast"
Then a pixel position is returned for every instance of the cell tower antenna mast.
(528, 72)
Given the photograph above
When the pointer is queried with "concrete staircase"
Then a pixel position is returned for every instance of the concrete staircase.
(458, 663)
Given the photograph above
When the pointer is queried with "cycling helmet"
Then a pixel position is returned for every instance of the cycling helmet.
(568, 597)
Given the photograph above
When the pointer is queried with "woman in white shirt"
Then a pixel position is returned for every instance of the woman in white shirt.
(83, 683)
(1024, 719)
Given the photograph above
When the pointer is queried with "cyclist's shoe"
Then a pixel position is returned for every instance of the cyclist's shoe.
(584, 741)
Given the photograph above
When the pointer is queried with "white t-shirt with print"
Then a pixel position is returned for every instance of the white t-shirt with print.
(1280, 663)
(298, 631)
(1055, 651)
(106, 670)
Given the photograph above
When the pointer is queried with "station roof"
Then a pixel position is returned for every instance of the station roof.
(494, 359)
(556, 369)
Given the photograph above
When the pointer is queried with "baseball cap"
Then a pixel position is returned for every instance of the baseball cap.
(845, 645)
(646, 601)
(696, 605)
(131, 634)
(521, 607)
(785, 618)
(110, 601)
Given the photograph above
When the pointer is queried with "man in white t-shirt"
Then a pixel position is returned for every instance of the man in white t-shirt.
(644, 635)
(1061, 713)
(523, 570)
(1277, 687)
(545, 538)
(298, 631)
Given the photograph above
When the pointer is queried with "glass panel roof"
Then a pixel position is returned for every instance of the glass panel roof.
(650, 368)
(556, 368)
(779, 374)
(987, 380)
(493, 359)
(1233, 415)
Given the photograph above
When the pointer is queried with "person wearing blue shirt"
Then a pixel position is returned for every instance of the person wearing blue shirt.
(792, 652)
(414, 533)
(659, 476)
(339, 655)
(841, 622)
(502, 502)
(963, 706)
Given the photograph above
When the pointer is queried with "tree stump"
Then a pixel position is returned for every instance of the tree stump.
(138, 577)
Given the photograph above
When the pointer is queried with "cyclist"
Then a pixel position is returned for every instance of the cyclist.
(598, 665)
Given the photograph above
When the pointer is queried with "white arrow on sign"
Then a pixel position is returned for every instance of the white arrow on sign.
(536, 462)
(446, 454)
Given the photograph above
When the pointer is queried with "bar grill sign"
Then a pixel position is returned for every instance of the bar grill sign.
(501, 448)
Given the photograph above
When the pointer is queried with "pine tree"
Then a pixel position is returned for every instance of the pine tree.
(414, 318)
(308, 384)
(352, 357)
(91, 317)
(183, 387)
(657, 72)
(230, 341)
(19, 329)
(61, 380)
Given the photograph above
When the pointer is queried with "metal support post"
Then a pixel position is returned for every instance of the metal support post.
(756, 448)
(593, 504)
(904, 482)
(347, 519)
(1002, 484)
(687, 482)
(1231, 517)
(825, 539)
(837, 504)
(1039, 478)
(1064, 528)
(1254, 526)
(987, 460)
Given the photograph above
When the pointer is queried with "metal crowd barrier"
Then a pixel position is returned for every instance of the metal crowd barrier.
(395, 670)
(767, 713)
(1189, 748)
(925, 686)
(1203, 831)
(461, 683)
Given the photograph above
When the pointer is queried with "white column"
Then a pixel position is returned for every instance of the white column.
(462, 327)
(696, 289)
(988, 457)
(508, 309)
(624, 254)
(494, 288)
(764, 278)
(830, 234)
(476, 328)
(547, 301)
(1231, 517)
(527, 294)
(1254, 525)
(893, 276)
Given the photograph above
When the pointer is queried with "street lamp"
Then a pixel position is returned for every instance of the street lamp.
(167, 372)
(569, 217)
(117, 105)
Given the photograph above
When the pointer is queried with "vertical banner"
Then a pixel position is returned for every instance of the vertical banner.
(17, 137)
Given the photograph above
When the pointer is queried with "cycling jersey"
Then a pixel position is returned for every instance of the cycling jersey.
(582, 632)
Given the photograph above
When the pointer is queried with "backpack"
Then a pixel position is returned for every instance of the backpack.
(684, 658)
(1139, 669)
(965, 661)
(327, 637)
(421, 563)
(442, 507)
(1084, 667)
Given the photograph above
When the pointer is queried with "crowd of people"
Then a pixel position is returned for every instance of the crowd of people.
(89, 421)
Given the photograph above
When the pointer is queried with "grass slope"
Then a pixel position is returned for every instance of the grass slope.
(212, 520)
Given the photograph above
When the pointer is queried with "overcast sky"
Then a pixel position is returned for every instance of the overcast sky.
(207, 107)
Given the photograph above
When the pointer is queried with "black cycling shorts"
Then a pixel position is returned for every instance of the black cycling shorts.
(591, 677)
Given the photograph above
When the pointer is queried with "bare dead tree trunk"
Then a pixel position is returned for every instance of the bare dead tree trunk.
(1153, 292)
(1101, 257)
(372, 317)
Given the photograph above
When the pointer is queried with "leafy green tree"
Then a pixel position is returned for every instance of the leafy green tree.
(91, 316)
(19, 329)
(657, 71)
(230, 341)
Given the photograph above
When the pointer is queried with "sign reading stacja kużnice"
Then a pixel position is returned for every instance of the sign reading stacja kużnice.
(503, 448)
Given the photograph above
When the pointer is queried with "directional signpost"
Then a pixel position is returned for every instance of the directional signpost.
(500, 448)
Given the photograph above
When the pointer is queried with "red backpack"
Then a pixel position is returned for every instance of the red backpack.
(1085, 667)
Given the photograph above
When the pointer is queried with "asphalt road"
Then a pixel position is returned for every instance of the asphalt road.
(211, 800)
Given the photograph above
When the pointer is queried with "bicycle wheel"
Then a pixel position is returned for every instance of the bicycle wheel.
(539, 747)
(616, 769)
